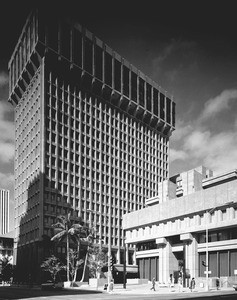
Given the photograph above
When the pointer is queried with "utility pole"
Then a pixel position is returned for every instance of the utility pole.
(109, 252)
(124, 266)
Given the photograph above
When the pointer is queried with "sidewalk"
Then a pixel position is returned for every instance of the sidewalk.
(146, 289)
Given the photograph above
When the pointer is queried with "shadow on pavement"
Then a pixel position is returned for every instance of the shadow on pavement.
(9, 292)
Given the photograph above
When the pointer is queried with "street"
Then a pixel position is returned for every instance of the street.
(8, 292)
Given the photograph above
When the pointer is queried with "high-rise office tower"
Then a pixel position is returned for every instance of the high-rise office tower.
(92, 131)
(4, 211)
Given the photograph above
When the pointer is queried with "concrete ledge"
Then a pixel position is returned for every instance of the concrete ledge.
(137, 281)
(96, 282)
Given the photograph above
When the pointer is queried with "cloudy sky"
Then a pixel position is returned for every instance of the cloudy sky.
(188, 47)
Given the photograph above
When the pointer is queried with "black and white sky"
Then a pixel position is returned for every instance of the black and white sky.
(188, 47)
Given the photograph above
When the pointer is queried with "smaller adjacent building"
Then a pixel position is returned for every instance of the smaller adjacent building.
(4, 211)
(6, 249)
(169, 235)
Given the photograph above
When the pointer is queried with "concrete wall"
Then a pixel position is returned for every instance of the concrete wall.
(195, 203)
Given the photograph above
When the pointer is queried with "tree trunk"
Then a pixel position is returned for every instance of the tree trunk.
(77, 263)
(84, 269)
(68, 279)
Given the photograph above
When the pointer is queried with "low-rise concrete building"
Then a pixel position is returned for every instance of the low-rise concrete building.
(6, 249)
(169, 235)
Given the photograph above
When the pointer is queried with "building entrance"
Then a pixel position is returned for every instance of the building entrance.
(149, 268)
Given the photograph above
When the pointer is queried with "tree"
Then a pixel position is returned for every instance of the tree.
(66, 228)
(75, 230)
(97, 260)
(7, 268)
(74, 263)
(78, 233)
(90, 236)
(52, 265)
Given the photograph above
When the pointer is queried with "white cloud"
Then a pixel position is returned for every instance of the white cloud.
(181, 130)
(7, 180)
(197, 143)
(7, 134)
(218, 104)
(7, 131)
(6, 152)
(3, 79)
(177, 154)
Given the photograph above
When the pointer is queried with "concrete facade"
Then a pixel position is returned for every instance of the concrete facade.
(178, 226)
(92, 133)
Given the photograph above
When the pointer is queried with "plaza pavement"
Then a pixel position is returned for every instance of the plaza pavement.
(86, 292)
(146, 289)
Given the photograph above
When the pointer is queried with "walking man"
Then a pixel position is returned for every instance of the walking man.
(192, 284)
(180, 283)
(153, 284)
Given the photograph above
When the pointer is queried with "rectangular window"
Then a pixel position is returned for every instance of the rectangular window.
(98, 62)
(173, 114)
(162, 106)
(148, 96)
(223, 263)
(233, 261)
(134, 86)
(213, 263)
(126, 81)
(202, 257)
(117, 75)
(141, 92)
(88, 55)
(77, 47)
(168, 110)
(108, 69)
(155, 102)
(52, 34)
(65, 39)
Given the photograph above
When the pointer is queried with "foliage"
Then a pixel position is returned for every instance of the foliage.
(74, 263)
(52, 265)
(97, 260)
(73, 229)
(7, 268)
(66, 227)
(90, 237)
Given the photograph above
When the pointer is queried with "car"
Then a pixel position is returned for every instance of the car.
(235, 286)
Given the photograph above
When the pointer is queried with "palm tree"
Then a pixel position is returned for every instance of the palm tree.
(74, 229)
(89, 240)
(66, 228)
(78, 234)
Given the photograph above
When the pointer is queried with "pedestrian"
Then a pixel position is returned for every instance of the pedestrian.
(153, 282)
(217, 283)
(170, 282)
(180, 283)
(192, 284)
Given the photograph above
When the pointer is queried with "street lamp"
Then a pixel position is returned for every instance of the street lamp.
(109, 252)
(109, 246)
(207, 262)
(206, 265)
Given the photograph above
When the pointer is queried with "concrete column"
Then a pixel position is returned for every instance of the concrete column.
(167, 260)
(134, 255)
(232, 213)
(191, 254)
(127, 255)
